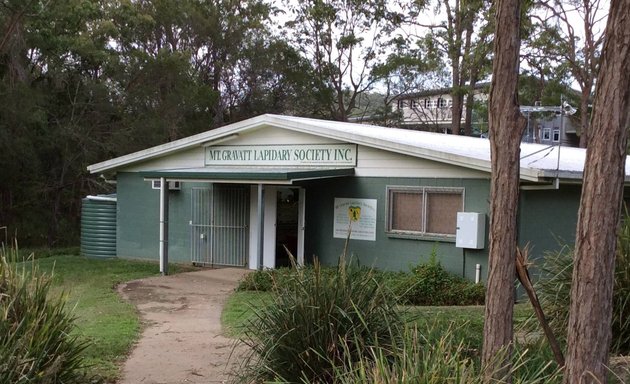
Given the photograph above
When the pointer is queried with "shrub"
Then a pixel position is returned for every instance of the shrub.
(424, 284)
(266, 280)
(318, 321)
(431, 284)
(36, 345)
(554, 291)
(257, 281)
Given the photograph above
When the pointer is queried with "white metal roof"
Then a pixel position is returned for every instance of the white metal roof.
(537, 160)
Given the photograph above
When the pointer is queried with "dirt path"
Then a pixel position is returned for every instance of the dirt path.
(182, 341)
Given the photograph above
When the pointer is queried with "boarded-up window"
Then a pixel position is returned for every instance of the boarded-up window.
(442, 211)
(424, 211)
(406, 211)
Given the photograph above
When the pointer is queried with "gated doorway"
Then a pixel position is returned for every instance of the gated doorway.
(220, 225)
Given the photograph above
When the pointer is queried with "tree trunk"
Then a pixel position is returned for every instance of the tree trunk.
(456, 108)
(470, 102)
(584, 115)
(506, 128)
(468, 69)
(589, 332)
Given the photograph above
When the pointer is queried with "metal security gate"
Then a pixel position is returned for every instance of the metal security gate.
(219, 225)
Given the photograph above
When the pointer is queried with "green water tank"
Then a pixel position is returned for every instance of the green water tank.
(98, 226)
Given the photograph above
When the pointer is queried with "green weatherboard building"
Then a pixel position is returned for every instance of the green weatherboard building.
(239, 195)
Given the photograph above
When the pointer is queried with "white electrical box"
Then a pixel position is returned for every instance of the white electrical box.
(471, 230)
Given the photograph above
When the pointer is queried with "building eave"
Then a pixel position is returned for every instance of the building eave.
(175, 146)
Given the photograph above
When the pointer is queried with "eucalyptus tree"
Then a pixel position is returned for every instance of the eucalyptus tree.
(462, 37)
(177, 58)
(344, 41)
(507, 125)
(402, 74)
(589, 331)
(274, 79)
(571, 34)
(186, 66)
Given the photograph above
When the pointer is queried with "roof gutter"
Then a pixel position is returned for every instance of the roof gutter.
(555, 184)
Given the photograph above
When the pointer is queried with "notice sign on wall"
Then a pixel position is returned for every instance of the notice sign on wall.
(356, 215)
(283, 155)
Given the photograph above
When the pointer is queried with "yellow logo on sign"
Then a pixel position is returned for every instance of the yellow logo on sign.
(354, 213)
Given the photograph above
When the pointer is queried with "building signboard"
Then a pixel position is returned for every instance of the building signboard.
(356, 215)
(332, 155)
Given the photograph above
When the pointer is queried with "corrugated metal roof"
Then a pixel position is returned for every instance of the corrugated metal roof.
(537, 160)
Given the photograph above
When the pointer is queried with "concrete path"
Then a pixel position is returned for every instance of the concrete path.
(182, 340)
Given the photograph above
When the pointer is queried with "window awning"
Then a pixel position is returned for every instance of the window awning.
(240, 174)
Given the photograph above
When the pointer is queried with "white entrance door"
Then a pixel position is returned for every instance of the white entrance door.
(283, 226)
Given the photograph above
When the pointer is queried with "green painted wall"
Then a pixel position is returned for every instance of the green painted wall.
(139, 220)
(544, 217)
(548, 218)
(386, 252)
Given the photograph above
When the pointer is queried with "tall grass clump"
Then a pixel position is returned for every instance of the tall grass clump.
(419, 358)
(436, 355)
(621, 291)
(36, 345)
(318, 321)
(554, 291)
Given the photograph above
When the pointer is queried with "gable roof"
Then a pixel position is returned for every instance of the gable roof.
(538, 162)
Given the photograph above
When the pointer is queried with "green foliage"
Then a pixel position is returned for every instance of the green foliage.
(417, 359)
(110, 323)
(318, 321)
(83, 81)
(426, 284)
(37, 343)
(435, 355)
(621, 292)
(464, 323)
(240, 309)
(331, 36)
(431, 284)
(268, 279)
(261, 280)
(554, 291)
(438, 345)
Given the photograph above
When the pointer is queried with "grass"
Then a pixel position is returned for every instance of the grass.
(463, 323)
(239, 310)
(111, 324)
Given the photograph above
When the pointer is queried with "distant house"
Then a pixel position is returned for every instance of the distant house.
(550, 126)
(432, 110)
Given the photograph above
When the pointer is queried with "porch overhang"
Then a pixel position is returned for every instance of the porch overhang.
(248, 175)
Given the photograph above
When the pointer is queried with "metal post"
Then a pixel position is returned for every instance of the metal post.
(477, 273)
(163, 226)
(261, 224)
